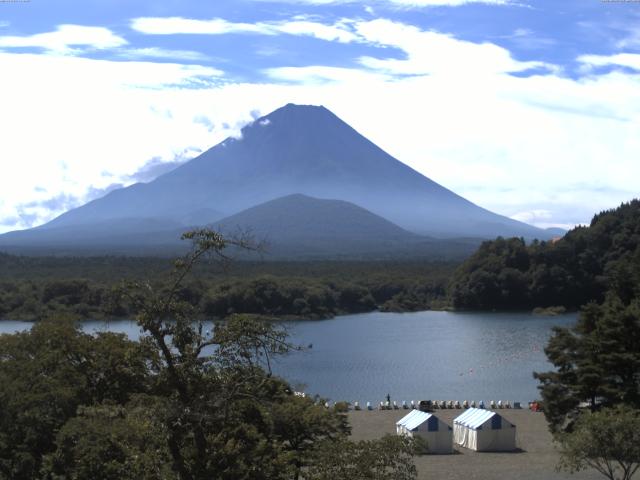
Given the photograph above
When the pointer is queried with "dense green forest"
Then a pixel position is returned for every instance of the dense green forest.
(503, 274)
(34, 287)
(570, 272)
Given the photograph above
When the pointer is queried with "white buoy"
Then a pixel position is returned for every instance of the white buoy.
(369, 407)
(457, 404)
(356, 405)
(395, 405)
(413, 405)
(465, 404)
(450, 404)
(404, 405)
(492, 404)
(500, 404)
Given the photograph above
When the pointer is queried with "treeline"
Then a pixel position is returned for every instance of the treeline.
(570, 272)
(295, 290)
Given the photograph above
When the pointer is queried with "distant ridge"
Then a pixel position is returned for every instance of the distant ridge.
(304, 227)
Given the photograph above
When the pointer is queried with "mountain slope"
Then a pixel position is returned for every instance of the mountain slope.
(301, 226)
(299, 149)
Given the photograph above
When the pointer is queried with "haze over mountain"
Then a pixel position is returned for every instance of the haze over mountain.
(293, 150)
(301, 226)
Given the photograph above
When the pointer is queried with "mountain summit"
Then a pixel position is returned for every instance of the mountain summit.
(297, 149)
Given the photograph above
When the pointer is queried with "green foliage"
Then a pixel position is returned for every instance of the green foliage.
(577, 269)
(420, 445)
(46, 374)
(110, 442)
(389, 458)
(608, 441)
(597, 361)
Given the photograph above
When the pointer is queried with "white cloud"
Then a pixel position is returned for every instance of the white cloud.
(337, 32)
(154, 52)
(544, 142)
(533, 216)
(217, 26)
(630, 60)
(542, 219)
(180, 25)
(67, 120)
(429, 52)
(65, 37)
(319, 75)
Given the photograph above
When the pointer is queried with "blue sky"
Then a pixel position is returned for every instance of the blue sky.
(528, 108)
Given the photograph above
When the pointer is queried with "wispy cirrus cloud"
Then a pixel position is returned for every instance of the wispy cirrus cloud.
(401, 3)
(162, 53)
(217, 26)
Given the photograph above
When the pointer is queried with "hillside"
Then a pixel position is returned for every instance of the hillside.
(570, 272)
(298, 226)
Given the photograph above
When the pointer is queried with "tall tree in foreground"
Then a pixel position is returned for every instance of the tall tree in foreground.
(187, 402)
(221, 403)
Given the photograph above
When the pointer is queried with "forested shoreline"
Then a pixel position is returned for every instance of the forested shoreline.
(504, 274)
(90, 288)
(579, 268)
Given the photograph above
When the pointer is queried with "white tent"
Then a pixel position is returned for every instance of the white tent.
(438, 434)
(484, 431)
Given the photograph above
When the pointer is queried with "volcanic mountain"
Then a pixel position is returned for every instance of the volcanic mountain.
(297, 149)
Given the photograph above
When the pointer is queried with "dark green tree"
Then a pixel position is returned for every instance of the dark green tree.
(597, 361)
(607, 441)
(111, 442)
(46, 374)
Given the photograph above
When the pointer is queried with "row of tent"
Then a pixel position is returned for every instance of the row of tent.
(476, 429)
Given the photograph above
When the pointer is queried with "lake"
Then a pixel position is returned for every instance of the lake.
(422, 355)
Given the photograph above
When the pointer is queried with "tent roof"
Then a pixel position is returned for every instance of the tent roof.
(474, 418)
(414, 419)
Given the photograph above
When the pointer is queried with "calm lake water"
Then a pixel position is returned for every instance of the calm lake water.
(423, 355)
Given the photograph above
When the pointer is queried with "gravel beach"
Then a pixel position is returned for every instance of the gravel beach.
(535, 460)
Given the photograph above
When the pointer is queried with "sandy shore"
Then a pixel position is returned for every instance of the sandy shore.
(535, 460)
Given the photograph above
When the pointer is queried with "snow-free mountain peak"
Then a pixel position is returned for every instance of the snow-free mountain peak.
(297, 149)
